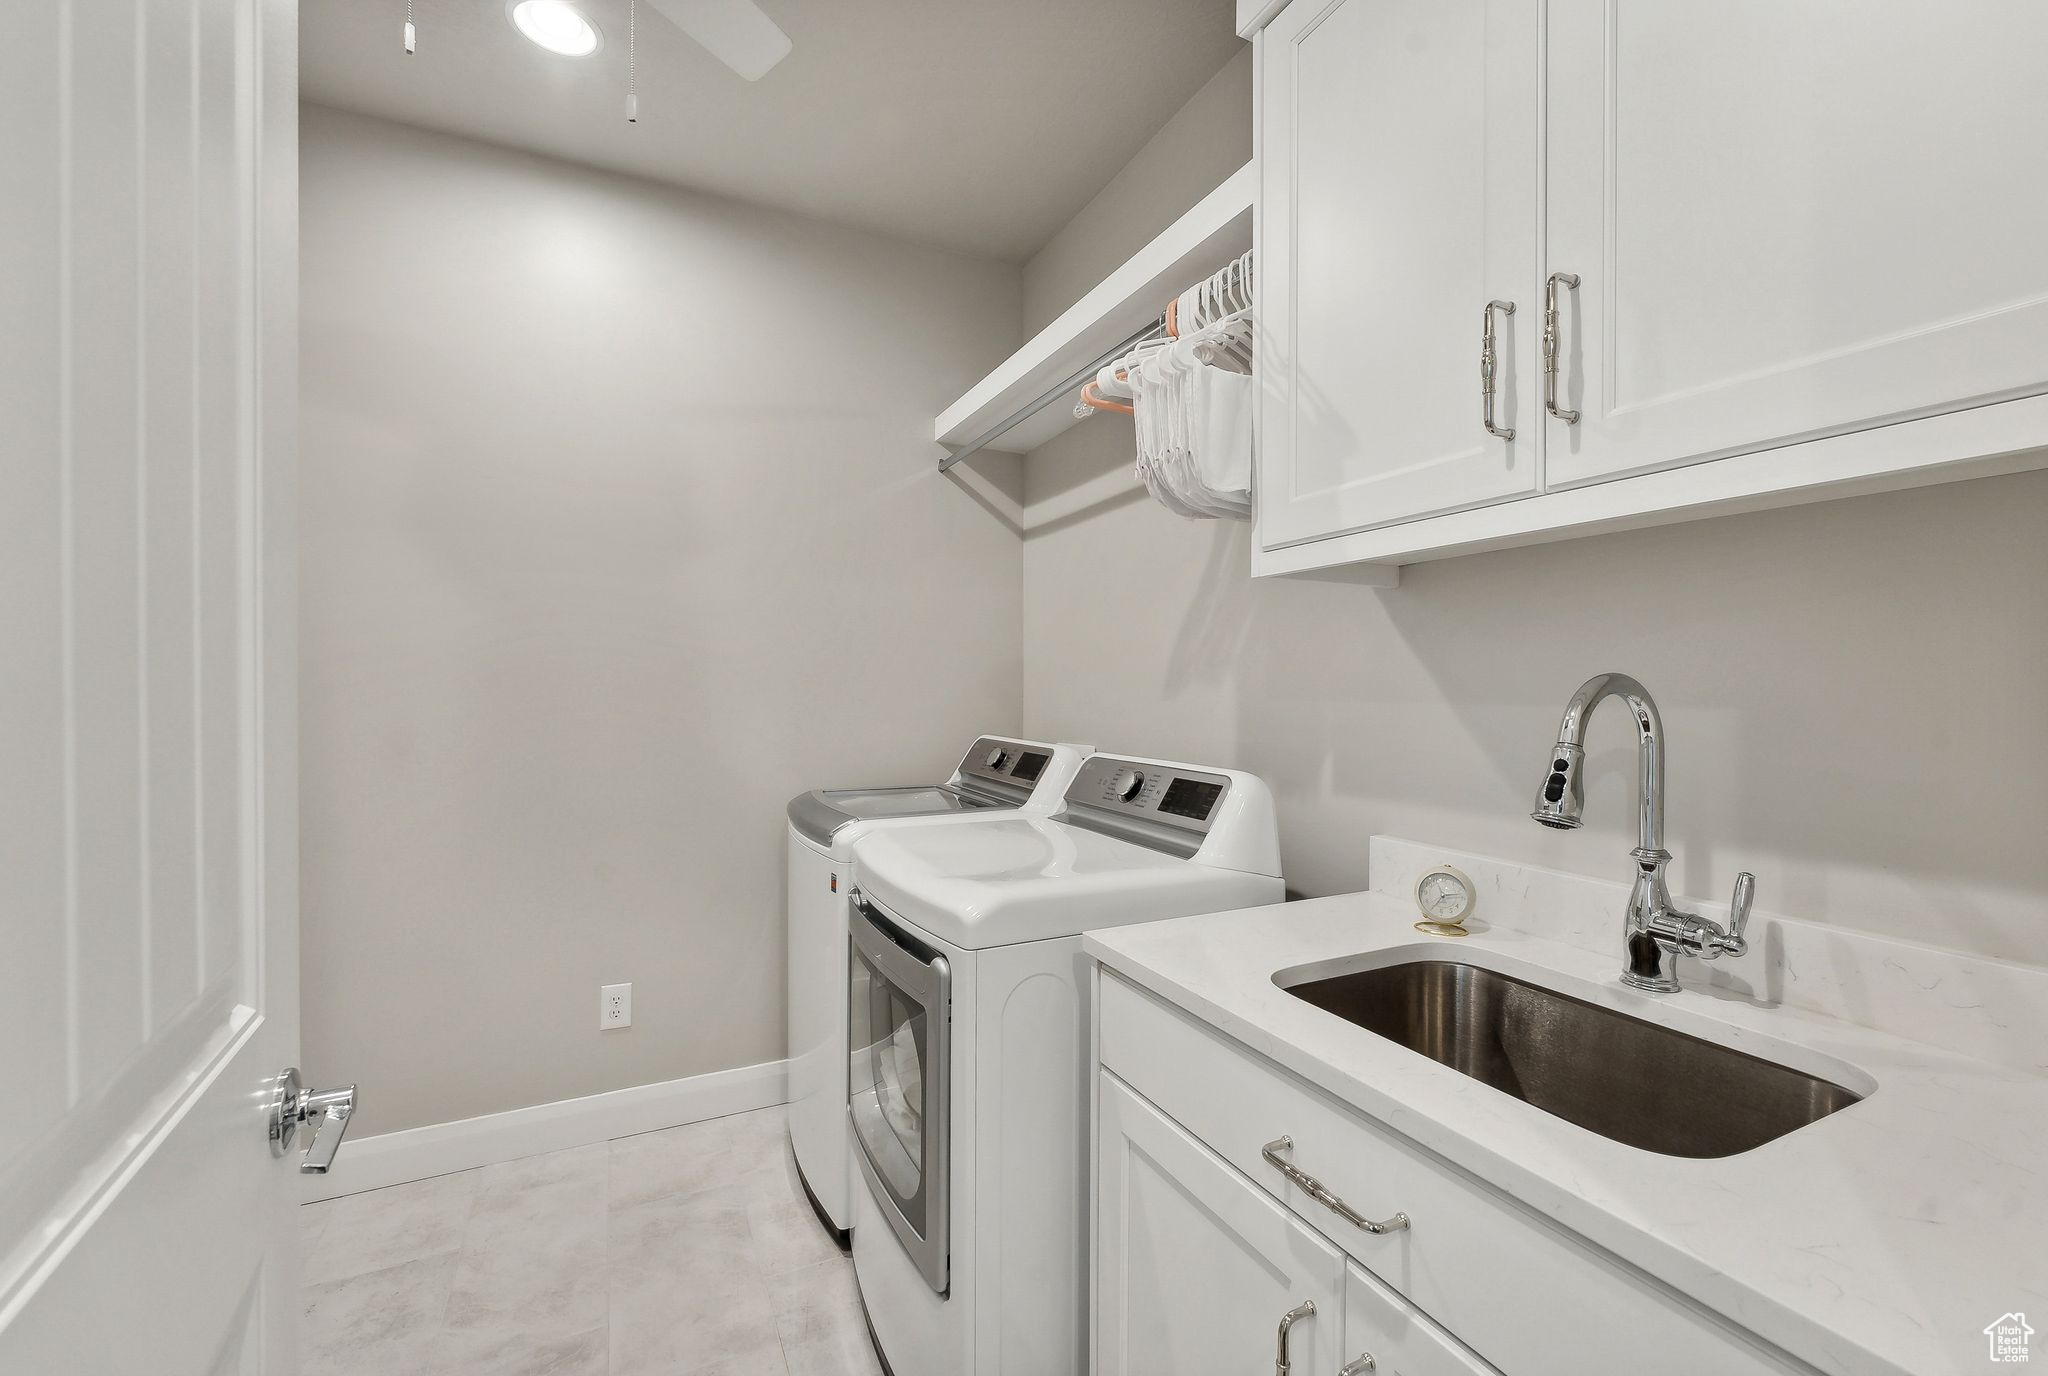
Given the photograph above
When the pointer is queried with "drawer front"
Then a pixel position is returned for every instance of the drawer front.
(1529, 1297)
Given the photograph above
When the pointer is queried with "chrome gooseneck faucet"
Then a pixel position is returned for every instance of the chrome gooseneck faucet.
(1656, 934)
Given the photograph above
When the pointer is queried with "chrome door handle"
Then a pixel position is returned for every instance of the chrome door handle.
(291, 1104)
(1320, 1192)
(1358, 1365)
(1571, 280)
(1489, 368)
(1307, 1308)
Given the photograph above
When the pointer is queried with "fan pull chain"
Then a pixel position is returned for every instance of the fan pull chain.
(632, 61)
(408, 28)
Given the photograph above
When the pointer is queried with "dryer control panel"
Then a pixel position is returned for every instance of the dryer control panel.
(1168, 807)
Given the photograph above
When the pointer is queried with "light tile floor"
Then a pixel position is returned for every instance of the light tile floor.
(690, 1252)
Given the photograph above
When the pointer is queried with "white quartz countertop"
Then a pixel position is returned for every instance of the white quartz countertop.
(1883, 1238)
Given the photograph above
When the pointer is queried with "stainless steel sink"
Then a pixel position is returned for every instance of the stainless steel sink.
(1626, 1079)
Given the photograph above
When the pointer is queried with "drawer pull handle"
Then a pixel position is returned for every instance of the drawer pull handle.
(1316, 1190)
(1358, 1365)
(1550, 343)
(1489, 369)
(1281, 1366)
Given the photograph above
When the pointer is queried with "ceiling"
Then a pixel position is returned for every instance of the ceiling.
(978, 125)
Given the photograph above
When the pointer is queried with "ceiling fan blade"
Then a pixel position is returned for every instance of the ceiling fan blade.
(736, 32)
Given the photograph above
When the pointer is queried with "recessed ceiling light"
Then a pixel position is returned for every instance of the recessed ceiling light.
(557, 26)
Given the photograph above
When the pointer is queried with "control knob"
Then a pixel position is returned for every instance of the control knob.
(997, 758)
(1127, 784)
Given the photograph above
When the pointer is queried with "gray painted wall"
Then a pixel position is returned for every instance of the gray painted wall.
(1811, 665)
(620, 527)
(1208, 139)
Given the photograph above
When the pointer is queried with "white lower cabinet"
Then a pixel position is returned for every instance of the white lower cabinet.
(1202, 1242)
(1195, 1268)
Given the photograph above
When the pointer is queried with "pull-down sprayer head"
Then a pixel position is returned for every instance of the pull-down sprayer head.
(1561, 799)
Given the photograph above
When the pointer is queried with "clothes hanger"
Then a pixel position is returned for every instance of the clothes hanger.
(1092, 398)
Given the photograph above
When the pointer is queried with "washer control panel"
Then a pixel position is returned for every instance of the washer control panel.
(1186, 800)
(1011, 762)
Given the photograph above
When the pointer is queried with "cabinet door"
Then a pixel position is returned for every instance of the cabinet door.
(1790, 220)
(1398, 174)
(1381, 1325)
(1194, 1265)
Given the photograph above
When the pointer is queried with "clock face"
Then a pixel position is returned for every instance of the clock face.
(1444, 895)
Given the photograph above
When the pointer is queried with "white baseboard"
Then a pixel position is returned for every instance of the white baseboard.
(393, 1158)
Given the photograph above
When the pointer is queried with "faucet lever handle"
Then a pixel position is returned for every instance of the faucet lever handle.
(1738, 914)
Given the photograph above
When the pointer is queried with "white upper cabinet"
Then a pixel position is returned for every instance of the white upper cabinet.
(1795, 250)
(1398, 195)
(1790, 220)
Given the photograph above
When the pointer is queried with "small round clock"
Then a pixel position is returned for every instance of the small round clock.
(1444, 897)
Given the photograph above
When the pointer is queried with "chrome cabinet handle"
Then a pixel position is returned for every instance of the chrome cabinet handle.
(1571, 280)
(291, 1104)
(1281, 1366)
(1489, 367)
(1319, 1192)
(1363, 1362)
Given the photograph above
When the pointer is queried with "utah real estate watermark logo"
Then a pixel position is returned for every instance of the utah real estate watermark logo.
(2007, 1336)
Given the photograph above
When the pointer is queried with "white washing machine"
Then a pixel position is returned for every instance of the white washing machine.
(968, 1030)
(997, 777)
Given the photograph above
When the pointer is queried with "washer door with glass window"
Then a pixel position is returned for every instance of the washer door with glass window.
(898, 1026)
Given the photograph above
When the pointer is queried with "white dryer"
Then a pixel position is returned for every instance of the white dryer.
(997, 777)
(969, 1014)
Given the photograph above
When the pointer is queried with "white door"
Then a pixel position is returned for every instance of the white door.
(1196, 1267)
(1398, 177)
(1790, 220)
(148, 993)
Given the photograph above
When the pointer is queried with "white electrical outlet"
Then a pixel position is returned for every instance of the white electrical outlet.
(615, 1006)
